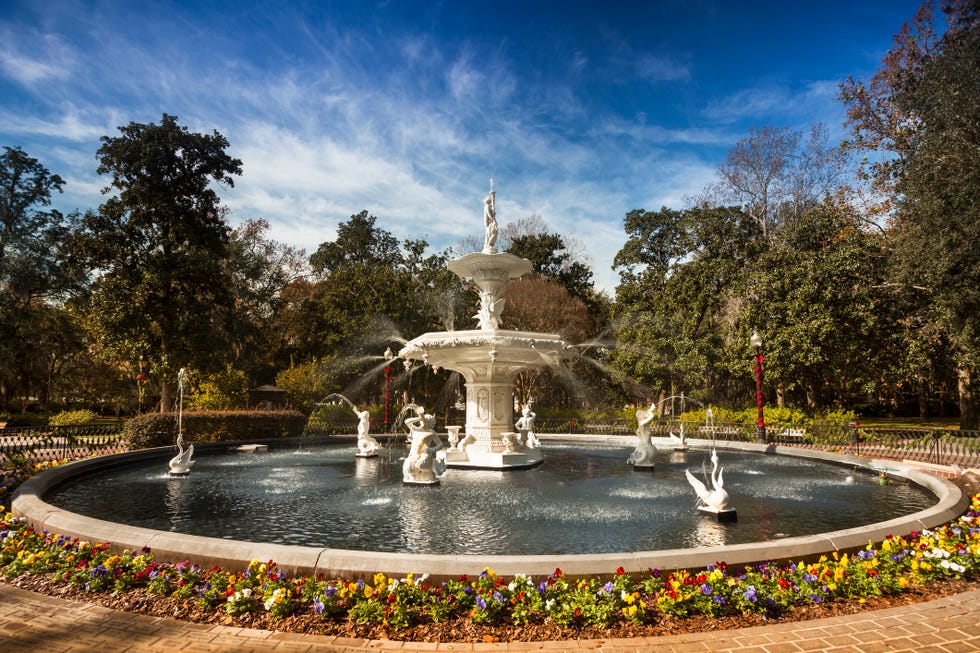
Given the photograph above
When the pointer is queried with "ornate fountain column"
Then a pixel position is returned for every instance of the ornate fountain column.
(488, 358)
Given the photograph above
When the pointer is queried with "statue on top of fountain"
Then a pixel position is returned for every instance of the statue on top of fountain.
(490, 222)
(421, 465)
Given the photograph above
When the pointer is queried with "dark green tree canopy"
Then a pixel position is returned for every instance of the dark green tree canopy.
(30, 233)
(159, 247)
(358, 242)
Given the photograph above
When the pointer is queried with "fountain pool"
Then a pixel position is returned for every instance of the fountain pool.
(319, 508)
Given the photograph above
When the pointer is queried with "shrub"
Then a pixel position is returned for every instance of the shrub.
(160, 429)
(72, 418)
(225, 390)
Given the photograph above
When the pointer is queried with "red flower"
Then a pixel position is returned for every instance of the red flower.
(558, 573)
(620, 571)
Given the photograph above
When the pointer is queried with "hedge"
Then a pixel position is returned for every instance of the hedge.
(160, 429)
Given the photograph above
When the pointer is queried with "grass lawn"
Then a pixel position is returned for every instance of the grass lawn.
(911, 422)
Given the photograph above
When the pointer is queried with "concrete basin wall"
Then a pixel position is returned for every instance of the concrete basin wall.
(28, 502)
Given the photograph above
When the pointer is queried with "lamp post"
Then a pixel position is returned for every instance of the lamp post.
(140, 383)
(760, 428)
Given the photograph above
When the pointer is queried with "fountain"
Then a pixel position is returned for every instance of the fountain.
(586, 513)
(367, 446)
(489, 358)
(180, 465)
(643, 457)
(713, 502)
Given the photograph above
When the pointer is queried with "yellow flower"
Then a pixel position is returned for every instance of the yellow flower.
(368, 591)
(379, 579)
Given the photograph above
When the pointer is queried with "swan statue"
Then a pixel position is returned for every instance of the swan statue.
(680, 441)
(180, 465)
(714, 500)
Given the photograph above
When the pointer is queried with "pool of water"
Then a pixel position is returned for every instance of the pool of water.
(583, 499)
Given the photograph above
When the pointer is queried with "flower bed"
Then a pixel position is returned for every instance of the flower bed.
(897, 565)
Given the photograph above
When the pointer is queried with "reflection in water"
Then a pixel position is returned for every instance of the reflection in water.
(583, 499)
(710, 532)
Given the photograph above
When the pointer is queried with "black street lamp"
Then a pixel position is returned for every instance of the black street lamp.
(760, 428)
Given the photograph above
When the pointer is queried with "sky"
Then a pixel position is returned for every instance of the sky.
(579, 111)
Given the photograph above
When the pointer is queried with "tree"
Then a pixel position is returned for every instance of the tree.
(159, 246)
(31, 274)
(263, 274)
(773, 175)
(683, 280)
(29, 233)
(920, 116)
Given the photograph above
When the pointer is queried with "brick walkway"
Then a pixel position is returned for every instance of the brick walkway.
(36, 622)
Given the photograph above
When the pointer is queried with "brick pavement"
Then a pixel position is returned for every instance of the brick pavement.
(36, 622)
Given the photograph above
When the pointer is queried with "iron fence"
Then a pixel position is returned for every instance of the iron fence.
(49, 443)
(934, 446)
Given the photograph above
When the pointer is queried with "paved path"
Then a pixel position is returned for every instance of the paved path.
(36, 622)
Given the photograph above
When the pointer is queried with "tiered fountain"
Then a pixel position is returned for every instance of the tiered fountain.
(489, 358)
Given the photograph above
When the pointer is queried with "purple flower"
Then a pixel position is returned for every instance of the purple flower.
(360, 584)
(498, 597)
(705, 589)
(480, 603)
(608, 587)
(750, 594)
(330, 591)
(317, 606)
(815, 598)
(809, 578)
(720, 600)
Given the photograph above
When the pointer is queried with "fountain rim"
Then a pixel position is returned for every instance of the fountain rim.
(344, 563)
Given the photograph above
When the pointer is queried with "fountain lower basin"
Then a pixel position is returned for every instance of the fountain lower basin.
(338, 561)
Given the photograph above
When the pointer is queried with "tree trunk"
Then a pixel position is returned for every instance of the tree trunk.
(923, 399)
(167, 397)
(661, 403)
(780, 395)
(968, 413)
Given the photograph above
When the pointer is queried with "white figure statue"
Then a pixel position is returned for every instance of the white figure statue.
(645, 452)
(421, 465)
(180, 465)
(366, 445)
(525, 424)
(490, 222)
(715, 499)
(488, 315)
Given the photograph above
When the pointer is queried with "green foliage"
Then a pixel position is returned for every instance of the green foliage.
(306, 384)
(225, 390)
(73, 417)
(838, 417)
(160, 429)
(160, 245)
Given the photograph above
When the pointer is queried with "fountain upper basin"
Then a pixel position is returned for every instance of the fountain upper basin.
(463, 351)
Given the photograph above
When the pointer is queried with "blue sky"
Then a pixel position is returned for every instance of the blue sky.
(580, 111)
